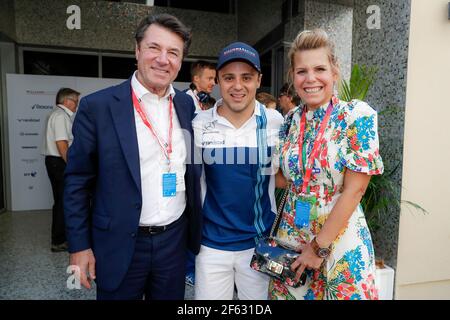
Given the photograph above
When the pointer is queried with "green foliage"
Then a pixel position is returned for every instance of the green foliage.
(382, 194)
(361, 80)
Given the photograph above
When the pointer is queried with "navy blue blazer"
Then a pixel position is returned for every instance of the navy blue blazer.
(102, 193)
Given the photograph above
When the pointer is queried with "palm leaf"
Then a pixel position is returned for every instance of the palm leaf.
(357, 87)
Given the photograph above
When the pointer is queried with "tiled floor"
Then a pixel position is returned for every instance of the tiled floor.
(29, 270)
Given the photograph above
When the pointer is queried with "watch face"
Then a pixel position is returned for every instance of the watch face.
(323, 252)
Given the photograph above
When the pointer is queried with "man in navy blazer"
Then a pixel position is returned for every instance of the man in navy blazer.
(132, 193)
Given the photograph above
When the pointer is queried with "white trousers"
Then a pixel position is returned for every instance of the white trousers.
(217, 271)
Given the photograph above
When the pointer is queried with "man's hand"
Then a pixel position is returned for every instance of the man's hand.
(84, 260)
(63, 146)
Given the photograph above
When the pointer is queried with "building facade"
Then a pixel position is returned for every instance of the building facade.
(45, 37)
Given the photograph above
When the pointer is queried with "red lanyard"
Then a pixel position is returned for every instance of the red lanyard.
(166, 147)
(317, 144)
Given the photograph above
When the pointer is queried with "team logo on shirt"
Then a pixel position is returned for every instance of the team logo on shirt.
(211, 136)
(208, 126)
(213, 139)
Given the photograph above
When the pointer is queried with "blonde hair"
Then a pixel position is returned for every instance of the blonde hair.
(309, 40)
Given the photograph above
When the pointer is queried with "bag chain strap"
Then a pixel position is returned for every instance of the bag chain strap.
(286, 191)
(280, 211)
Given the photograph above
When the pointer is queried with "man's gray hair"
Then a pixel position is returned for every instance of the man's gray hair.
(65, 93)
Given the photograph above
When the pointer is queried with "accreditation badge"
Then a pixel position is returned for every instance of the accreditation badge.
(169, 184)
(305, 210)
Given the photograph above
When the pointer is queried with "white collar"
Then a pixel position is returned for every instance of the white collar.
(141, 91)
(67, 110)
(216, 116)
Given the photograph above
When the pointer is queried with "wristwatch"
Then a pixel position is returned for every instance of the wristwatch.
(320, 252)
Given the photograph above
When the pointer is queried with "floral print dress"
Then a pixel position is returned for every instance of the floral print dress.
(350, 142)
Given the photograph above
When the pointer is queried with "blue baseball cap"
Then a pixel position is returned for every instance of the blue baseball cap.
(239, 51)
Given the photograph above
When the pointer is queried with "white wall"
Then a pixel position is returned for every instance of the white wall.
(423, 269)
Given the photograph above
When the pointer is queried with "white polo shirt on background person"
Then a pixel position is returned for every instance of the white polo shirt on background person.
(58, 128)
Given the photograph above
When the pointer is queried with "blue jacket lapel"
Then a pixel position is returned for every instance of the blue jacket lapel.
(122, 113)
(183, 115)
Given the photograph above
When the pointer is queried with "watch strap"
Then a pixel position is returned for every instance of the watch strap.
(320, 251)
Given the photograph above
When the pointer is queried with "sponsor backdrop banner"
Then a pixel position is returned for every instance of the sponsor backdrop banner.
(31, 98)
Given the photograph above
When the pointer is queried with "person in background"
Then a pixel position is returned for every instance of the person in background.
(131, 158)
(237, 190)
(328, 152)
(57, 140)
(288, 98)
(203, 77)
(267, 99)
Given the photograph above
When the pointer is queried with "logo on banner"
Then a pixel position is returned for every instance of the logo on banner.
(28, 120)
(40, 92)
(41, 107)
(30, 174)
(29, 161)
(29, 147)
(28, 134)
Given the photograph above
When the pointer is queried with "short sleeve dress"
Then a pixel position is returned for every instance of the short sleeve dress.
(351, 143)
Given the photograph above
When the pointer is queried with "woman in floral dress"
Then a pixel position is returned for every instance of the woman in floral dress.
(329, 150)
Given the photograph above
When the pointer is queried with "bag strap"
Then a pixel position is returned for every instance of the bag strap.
(276, 223)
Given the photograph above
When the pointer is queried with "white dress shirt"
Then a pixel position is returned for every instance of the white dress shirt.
(156, 209)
